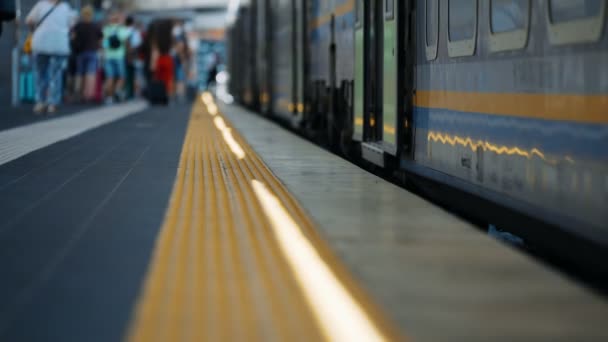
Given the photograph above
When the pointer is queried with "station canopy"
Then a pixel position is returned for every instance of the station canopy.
(204, 15)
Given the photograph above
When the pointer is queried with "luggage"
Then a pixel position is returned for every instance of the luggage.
(26, 87)
(157, 93)
(26, 80)
(159, 88)
(99, 87)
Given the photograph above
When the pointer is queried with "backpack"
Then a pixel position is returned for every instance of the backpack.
(114, 41)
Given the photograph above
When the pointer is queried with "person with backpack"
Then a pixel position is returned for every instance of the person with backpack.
(115, 36)
(134, 68)
(51, 21)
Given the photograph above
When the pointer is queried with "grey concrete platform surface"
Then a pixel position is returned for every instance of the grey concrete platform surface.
(79, 220)
(437, 277)
(19, 141)
(11, 117)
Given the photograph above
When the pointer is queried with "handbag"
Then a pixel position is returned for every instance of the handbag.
(27, 45)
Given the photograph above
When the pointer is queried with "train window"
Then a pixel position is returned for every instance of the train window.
(509, 23)
(509, 15)
(575, 21)
(389, 9)
(432, 28)
(462, 27)
(570, 10)
(462, 17)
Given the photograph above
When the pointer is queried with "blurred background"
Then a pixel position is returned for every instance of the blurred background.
(204, 21)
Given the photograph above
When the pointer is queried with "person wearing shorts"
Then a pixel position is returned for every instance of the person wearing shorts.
(86, 39)
(115, 37)
(115, 69)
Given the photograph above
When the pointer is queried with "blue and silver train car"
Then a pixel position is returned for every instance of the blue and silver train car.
(505, 101)
(287, 71)
(241, 58)
(511, 102)
(330, 68)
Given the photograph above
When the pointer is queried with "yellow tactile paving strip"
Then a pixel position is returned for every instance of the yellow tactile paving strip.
(238, 259)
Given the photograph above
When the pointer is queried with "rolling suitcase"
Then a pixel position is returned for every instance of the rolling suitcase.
(157, 93)
(26, 87)
(99, 87)
(26, 80)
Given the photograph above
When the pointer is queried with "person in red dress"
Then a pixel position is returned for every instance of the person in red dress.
(164, 71)
(162, 67)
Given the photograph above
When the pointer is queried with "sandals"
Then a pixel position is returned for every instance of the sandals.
(41, 108)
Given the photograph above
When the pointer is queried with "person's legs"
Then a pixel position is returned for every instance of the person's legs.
(140, 82)
(70, 92)
(90, 83)
(121, 74)
(41, 80)
(79, 79)
(180, 83)
(111, 76)
(57, 67)
(211, 83)
(129, 86)
(90, 76)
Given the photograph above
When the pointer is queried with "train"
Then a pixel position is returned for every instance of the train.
(504, 102)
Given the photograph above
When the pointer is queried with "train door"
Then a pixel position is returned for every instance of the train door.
(264, 55)
(390, 69)
(299, 60)
(369, 79)
(373, 73)
(379, 65)
(253, 36)
(359, 92)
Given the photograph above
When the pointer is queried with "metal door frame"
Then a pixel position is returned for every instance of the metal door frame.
(407, 23)
(372, 97)
(393, 18)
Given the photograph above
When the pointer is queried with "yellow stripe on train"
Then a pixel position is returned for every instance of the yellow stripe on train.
(591, 109)
(345, 8)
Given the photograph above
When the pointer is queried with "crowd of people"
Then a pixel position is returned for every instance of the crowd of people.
(77, 58)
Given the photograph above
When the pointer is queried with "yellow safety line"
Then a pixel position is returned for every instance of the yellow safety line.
(237, 258)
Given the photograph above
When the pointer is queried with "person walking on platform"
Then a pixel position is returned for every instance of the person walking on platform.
(181, 59)
(115, 36)
(51, 21)
(160, 67)
(86, 40)
(134, 68)
(212, 70)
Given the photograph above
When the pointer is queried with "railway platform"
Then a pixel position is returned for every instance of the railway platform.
(208, 222)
